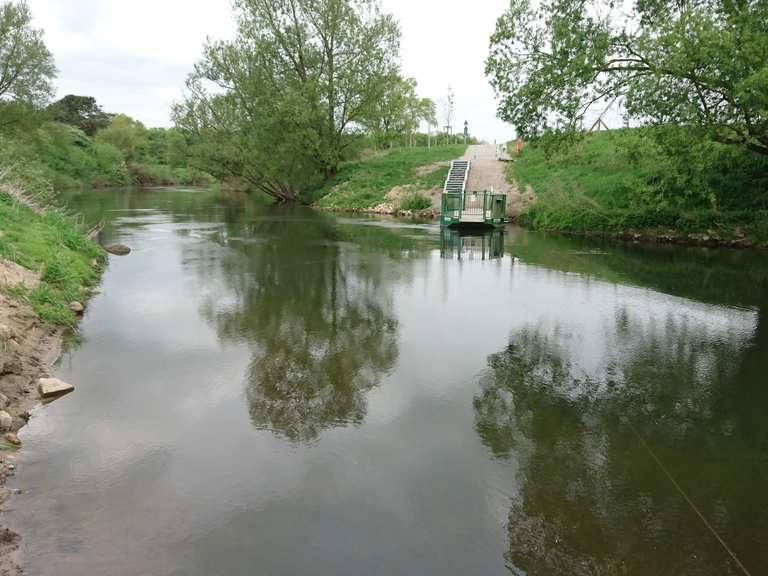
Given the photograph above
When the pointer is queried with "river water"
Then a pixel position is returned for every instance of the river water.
(281, 391)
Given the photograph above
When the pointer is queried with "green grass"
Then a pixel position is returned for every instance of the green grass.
(365, 183)
(623, 180)
(50, 244)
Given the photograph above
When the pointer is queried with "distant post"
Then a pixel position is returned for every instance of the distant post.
(466, 131)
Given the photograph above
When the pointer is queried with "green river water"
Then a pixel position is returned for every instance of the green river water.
(277, 391)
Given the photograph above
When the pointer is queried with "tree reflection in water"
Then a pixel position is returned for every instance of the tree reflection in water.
(591, 499)
(316, 312)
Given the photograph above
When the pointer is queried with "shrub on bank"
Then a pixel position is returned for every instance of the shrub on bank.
(415, 202)
(163, 175)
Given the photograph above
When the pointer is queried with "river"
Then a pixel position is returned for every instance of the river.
(277, 391)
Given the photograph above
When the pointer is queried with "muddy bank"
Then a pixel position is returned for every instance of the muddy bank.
(666, 237)
(386, 210)
(28, 349)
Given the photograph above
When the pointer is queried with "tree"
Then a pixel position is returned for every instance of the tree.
(127, 135)
(287, 94)
(387, 118)
(421, 110)
(448, 108)
(698, 63)
(26, 65)
(80, 111)
(398, 111)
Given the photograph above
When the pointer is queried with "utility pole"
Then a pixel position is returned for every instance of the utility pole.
(466, 131)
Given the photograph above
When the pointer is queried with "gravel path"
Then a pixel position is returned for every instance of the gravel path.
(487, 172)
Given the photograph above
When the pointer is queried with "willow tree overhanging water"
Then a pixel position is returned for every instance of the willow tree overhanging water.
(277, 104)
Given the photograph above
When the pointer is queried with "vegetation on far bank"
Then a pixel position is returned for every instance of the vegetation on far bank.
(365, 183)
(39, 147)
(624, 180)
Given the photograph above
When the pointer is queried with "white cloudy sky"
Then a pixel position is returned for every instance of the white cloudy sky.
(133, 56)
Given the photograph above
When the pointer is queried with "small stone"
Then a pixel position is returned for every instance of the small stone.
(12, 438)
(50, 387)
(118, 249)
(6, 420)
(94, 263)
(3, 401)
(76, 307)
(5, 333)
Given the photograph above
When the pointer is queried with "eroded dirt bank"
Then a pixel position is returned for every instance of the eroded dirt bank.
(28, 348)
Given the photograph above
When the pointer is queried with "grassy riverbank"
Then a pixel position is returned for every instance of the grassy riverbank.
(123, 153)
(64, 261)
(400, 178)
(622, 182)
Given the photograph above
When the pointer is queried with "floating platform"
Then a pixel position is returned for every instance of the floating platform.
(459, 207)
(473, 209)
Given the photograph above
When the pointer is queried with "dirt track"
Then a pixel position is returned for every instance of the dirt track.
(487, 172)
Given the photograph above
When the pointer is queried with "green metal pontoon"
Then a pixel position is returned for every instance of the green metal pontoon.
(461, 207)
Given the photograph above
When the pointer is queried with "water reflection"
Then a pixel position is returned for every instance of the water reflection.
(585, 418)
(458, 244)
(317, 316)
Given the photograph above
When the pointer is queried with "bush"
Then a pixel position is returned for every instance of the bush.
(414, 202)
(162, 175)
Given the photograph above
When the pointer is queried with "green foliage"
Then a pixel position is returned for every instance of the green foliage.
(164, 175)
(611, 182)
(51, 244)
(61, 156)
(127, 135)
(47, 154)
(26, 65)
(398, 112)
(80, 111)
(365, 183)
(692, 63)
(289, 90)
(415, 201)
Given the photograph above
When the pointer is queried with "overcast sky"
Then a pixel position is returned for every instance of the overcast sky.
(134, 56)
